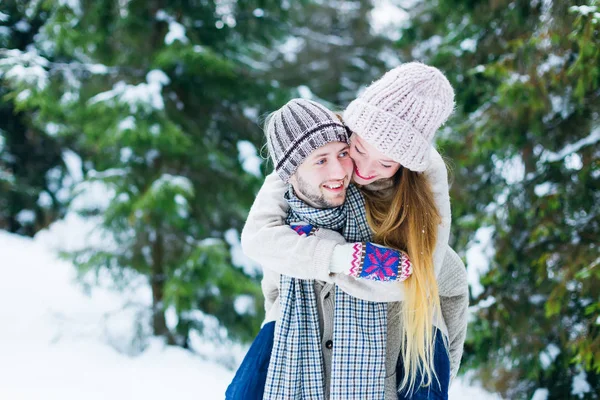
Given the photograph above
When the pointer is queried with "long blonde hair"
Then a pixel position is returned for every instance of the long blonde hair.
(406, 218)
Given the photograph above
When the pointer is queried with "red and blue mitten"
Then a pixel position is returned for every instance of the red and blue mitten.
(378, 263)
(305, 230)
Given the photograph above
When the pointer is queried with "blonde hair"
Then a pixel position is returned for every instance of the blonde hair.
(406, 219)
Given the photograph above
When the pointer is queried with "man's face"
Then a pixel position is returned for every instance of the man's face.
(322, 179)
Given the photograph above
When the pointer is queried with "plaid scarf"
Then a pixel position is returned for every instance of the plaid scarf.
(296, 368)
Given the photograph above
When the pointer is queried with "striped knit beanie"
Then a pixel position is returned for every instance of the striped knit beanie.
(296, 130)
(400, 113)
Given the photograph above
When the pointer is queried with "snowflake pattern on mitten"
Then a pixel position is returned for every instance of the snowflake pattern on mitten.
(379, 263)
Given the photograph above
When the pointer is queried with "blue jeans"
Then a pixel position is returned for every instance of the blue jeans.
(438, 389)
(250, 378)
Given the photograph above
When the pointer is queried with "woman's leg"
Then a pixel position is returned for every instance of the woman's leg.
(250, 378)
(438, 389)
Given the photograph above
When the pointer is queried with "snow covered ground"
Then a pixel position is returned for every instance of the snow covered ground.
(56, 342)
(59, 341)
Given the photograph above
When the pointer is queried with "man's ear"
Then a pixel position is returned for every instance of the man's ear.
(292, 180)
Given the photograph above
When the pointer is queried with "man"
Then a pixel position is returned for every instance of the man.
(322, 179)
(308, 145)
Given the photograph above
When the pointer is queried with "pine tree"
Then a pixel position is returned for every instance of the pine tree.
(524, 141)
(332, 51)
(33, 176)
(161, 100)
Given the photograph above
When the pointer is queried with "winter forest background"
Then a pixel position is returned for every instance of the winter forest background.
(130, 153)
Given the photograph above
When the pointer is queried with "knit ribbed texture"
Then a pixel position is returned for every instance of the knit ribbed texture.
(400, 113)
(454, 299)
(296, 130)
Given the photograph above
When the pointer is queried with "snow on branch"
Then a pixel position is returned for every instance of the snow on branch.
(24, 67)
(147, 94)
(31, 69)
(592, 138)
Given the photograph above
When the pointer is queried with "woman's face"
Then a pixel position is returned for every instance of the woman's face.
(370, 164)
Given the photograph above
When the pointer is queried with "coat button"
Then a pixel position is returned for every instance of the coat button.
(329, 344)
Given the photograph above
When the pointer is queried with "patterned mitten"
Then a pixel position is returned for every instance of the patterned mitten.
(304, 230)
(366, 260)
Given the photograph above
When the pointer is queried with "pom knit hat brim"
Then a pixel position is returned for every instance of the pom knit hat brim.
(400, 113)
(407, 146)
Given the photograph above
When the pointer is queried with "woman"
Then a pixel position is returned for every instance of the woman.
(393, 123)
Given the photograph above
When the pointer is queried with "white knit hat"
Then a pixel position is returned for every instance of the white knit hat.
(297, 129)
(400, 113)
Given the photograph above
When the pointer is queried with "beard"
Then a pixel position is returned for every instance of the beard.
(315, 196)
